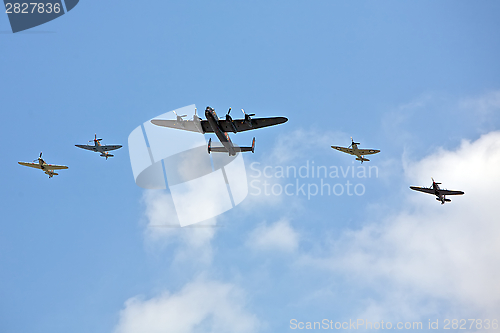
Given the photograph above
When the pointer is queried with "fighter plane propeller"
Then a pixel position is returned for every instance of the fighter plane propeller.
(39, 158)
(438, 192)
(354, 150)
(95, 139)
(221, 127)
(353, 143)
(99, 148)
(48, 169)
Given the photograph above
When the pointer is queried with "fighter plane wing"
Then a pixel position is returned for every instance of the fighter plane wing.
(344, 149)
(46, 166)
(242, 125)
(30, 164)
(448, 192)
(368, 151)
(422, 189)
(110, 147)
(54, 167)
(88, 147)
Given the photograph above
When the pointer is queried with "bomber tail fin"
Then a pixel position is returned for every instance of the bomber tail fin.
(217, 149)
(243, 149)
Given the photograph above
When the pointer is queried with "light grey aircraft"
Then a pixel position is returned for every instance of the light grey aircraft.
(438, 192)
(98, 148)
(221, 127)
(45, 167)
(354, 150)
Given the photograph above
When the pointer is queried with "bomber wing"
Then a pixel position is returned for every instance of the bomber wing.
(344, 149)
(110, 147)
(368, 151)
(30, 164)
(448, 192)
(242, 125)
(423, 189)
(88, 147)
(186, 125)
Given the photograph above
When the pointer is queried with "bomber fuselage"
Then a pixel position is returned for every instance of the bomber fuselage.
(223, 137)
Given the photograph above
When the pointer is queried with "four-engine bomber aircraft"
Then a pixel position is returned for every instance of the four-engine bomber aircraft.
(98, 148)
(221, 127)
(41, 164)
(355, 151)
(438, 192)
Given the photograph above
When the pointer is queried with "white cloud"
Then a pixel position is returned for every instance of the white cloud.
(428, 251)
(279, 236)
(484, 105)
(163, 229)
(201, 306)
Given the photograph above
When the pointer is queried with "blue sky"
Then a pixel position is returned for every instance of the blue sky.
(418, 80)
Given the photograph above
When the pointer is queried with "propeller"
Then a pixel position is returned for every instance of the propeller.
(195, 116)
(433, 182)
(39, 158)
(230, 120)
(248, 118)
(179, 118)
(95, 138)
(247, 115)
(228, 117)
(353, 143)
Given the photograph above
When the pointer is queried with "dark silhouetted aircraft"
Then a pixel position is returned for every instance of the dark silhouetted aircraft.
(438, 192)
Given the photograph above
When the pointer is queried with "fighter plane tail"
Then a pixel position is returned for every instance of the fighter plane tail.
(362, 159)
(107, 155)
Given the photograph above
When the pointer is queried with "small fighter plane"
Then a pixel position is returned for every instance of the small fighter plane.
(438, 192)
(98, 148)
(221, 127)
(41, 164)
(353, 150)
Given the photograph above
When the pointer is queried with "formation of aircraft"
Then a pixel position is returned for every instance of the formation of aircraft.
(438, 192)
(44, 166)
(99, 148)
(354, 150)
(221, 127)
